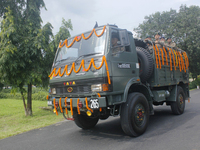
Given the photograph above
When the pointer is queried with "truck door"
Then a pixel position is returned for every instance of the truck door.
(124, 58)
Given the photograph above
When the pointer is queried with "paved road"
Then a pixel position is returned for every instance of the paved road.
(165, 132)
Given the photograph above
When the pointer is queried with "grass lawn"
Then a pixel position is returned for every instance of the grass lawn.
(13, 120)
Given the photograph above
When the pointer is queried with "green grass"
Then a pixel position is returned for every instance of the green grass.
(13, 120)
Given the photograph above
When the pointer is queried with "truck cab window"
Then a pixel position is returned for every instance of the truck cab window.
(116, 43)
(119, 42)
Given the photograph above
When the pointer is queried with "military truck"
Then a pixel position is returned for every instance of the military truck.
(106, 72)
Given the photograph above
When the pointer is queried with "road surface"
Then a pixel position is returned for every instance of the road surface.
(165, 132)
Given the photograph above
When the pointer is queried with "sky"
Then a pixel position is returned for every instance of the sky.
(126, 14)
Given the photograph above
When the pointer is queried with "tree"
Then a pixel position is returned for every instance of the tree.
(47, 53)
(21, 53)
(158, 22)
(63, 33)
(4, 4)
(186, 33)
(50, 46)
(27, 50)
(182, 26)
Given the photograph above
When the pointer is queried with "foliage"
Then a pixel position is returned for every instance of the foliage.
(158, 22)
(49, 47)
(26, 49)
(188, 23)
(61, 35)
(37, 94)
(14, 5)
(19, 30)
(1, 86)
(21, 54)
(182, 26)
(47, 54)
(194, 84)
(41, 95)
(63, 31)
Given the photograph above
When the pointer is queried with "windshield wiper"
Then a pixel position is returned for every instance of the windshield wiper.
(58, 62)
(66, 58)
(82, 56)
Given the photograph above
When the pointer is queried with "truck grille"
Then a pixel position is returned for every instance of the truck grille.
(73, 89)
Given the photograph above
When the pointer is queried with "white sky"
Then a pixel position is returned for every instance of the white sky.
(126, 14)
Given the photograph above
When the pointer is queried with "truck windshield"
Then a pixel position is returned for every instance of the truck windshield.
(93, 45)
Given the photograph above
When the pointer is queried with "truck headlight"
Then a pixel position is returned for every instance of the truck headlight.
(53, 91)
(96, 88)
(99, 87)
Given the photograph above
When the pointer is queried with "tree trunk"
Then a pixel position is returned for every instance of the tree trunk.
(29, 100)
(24, 103)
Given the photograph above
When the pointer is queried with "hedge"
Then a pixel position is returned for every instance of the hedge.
(37, 94)
(194, 84)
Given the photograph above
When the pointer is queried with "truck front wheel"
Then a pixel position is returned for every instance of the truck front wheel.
(135, 114)
(83, 121)
(178, 106)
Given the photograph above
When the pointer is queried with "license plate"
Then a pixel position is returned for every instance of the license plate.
(49, 102)
(94, 103)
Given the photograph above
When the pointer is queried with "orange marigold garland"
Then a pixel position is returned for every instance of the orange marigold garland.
(54, 73)
(78, 39)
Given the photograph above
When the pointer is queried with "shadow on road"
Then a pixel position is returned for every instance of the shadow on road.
(161, 122)
(105, 129)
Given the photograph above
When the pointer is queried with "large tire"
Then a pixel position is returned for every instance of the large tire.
(84, 122)
(135, 114)
(146, 63)
(178, 107)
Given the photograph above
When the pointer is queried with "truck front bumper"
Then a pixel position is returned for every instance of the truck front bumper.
(81, 104)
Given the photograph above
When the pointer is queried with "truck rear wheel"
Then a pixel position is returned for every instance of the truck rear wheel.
(178, 107)
(135, 114)
(84, 122)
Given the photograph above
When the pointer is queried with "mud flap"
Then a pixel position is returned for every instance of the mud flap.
(173, 93)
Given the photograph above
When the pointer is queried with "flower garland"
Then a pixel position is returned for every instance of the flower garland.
(162, 57)
(78, 39)
(165, 55)
(175, 58)
(155, 55)
(73, 68)
(179, 60)
(158, 56)
(71, 106)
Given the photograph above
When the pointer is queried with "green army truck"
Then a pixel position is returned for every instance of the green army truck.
(106, 72)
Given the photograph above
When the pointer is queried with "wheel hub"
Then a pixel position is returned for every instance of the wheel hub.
(139, 115)
(181, 99)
